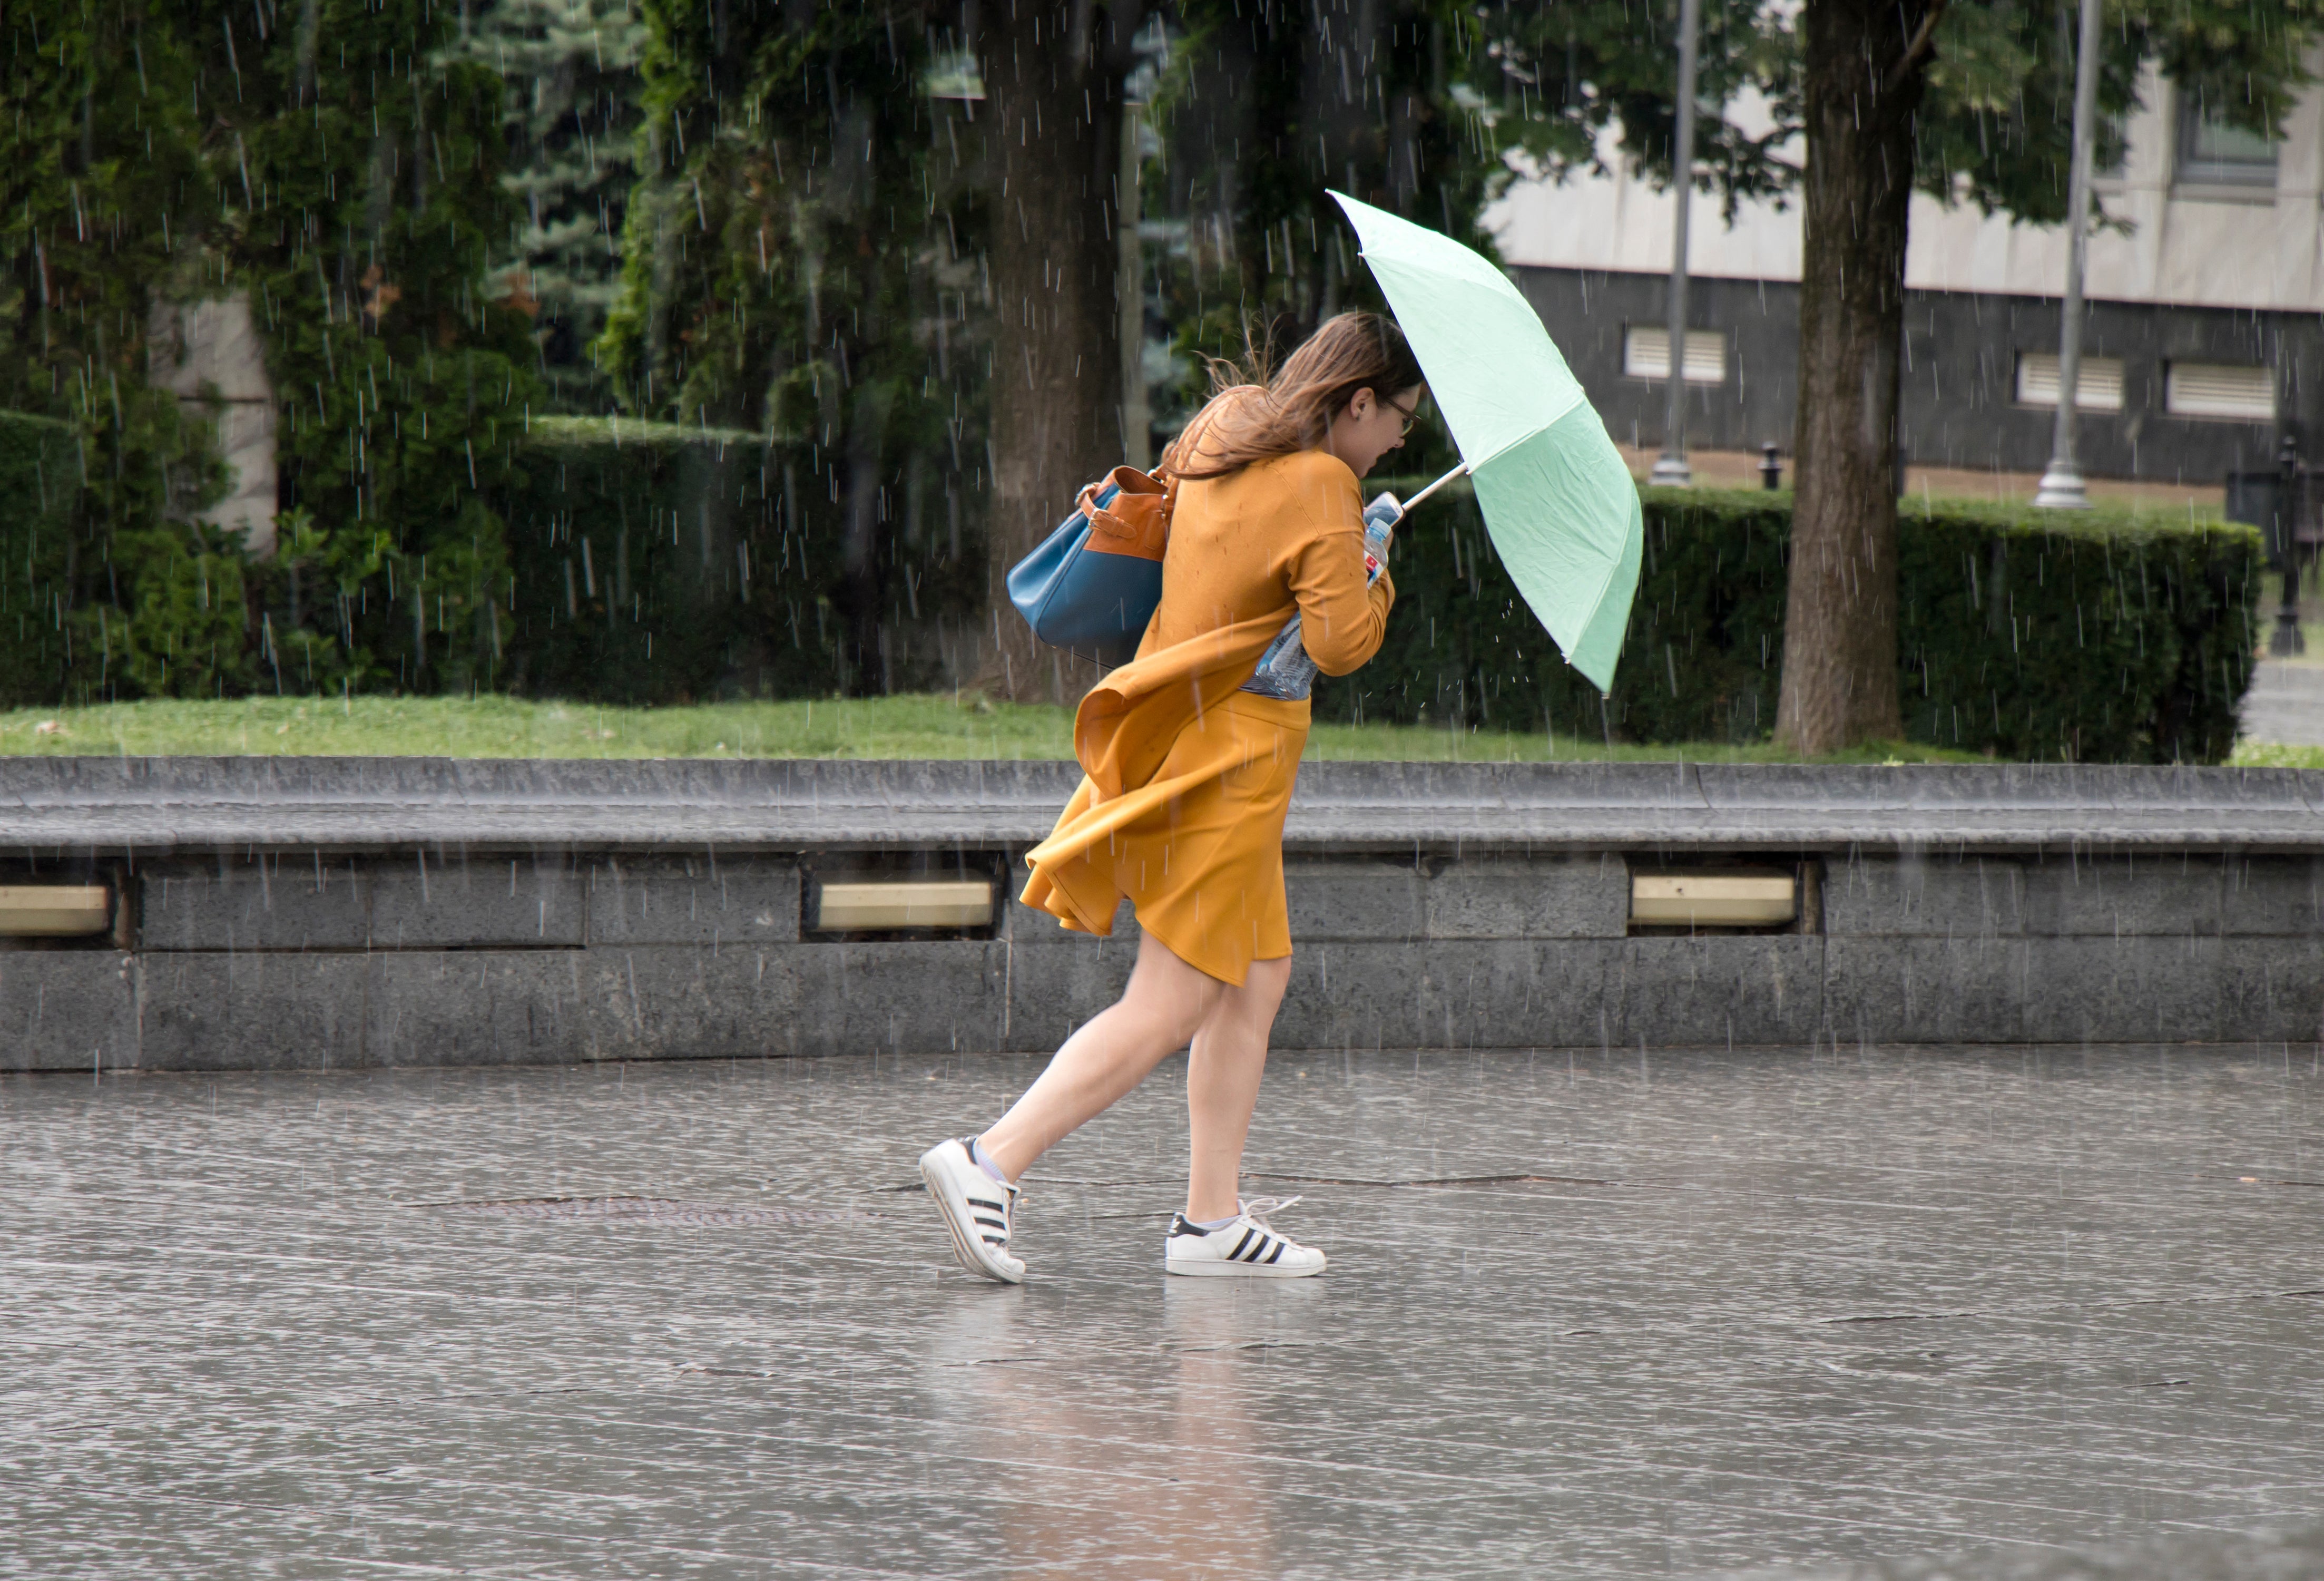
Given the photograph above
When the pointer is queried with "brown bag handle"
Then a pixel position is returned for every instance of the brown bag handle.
(1112, 525)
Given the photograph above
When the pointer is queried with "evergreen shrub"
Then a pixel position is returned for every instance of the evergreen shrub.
(40, 483)
(657, 563)
(645, 563)
(2100, 637)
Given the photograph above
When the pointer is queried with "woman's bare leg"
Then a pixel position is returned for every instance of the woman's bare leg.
(1223, 1075)
(1166, 1002)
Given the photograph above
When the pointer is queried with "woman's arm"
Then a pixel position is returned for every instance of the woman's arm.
(1342, 622)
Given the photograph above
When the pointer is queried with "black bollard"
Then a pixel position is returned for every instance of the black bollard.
(2286, 639)
(1771, 467)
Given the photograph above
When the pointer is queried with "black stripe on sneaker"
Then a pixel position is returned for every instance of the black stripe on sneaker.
(1277, 1252)
(1246, 1234)
(1264, 1242)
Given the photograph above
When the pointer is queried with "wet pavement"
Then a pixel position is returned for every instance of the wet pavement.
(1605, 1315)
(2285, 704)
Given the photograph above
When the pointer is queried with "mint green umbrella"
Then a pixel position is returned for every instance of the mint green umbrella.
(1559, 502)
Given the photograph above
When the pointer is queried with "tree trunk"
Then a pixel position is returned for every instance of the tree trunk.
(1864, 70)
(1052, 118)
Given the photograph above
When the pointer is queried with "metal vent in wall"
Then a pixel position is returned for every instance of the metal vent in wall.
(1734, 898)
(54, 910)
(901, 896)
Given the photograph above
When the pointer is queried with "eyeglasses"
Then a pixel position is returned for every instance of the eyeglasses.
(1411, 414)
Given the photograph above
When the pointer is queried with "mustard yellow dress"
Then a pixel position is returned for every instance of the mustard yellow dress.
(1185, 778)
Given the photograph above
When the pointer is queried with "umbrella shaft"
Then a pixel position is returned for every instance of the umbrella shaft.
(1433, 488)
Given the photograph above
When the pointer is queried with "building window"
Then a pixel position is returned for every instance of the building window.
(1645, 353)
(2212, 153)
(2240, 394)
(2099, 388)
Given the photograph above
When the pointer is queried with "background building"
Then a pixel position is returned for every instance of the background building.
(2206, 310)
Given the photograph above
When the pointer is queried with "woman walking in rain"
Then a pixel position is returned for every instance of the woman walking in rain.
(1187, 780)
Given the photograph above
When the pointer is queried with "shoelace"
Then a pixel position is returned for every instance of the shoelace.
(1257, 1208)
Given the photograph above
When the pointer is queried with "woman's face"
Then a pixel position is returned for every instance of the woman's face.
(1371, 427)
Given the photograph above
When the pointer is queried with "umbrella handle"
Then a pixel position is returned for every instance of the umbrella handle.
(1459, 471)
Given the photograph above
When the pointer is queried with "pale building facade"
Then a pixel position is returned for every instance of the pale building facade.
(208, 355)
(2204, 339)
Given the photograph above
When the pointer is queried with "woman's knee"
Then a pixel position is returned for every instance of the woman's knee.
(1254, 1002)
(1164, 989)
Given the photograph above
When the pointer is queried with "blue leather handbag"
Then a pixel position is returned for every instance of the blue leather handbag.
(1092, 586)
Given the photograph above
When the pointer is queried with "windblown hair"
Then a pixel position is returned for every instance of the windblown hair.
(1254, 415)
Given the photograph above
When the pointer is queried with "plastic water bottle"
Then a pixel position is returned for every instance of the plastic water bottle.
(1284, 670)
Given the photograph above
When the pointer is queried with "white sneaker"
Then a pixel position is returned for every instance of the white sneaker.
(977, 1210)
(1245, 1247)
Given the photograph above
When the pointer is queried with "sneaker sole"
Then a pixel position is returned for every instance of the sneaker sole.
(1239, 1270)
(967, 1245)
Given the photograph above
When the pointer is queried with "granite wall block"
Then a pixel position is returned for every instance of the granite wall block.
(1333, 898)
(1944, 897)
(1546, 896)
(68, 1010)
(1966, 989)
(1058, 982)
(1498, 994)
(303, 900)
(425, 901)
(1714, 989)
(252, 1009)
(917, 997)
(694, 899)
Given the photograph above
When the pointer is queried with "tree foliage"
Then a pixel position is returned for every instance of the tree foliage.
(323, 157)
(102, 190)
(1583, 83)
(1264, 110)
(364, 232)
(422, 201)
(797, 263)
(1574, 88)
(1996, 128)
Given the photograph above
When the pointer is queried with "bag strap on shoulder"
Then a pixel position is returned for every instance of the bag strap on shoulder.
(1134, 505)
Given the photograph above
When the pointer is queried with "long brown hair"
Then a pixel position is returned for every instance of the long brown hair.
(1253, 415)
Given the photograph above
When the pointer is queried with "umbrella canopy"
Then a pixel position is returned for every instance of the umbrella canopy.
(1557, 499)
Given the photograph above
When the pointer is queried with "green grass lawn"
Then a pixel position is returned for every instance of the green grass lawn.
(922, 726)
(2268, 754)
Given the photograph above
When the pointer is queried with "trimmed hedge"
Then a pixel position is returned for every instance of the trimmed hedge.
(647, 563)
(654, 564)
(659, 564)
(2096, 637)
(40, 486)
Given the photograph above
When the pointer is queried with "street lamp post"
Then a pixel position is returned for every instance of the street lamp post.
(2061, 486)
(2287, 641)
(1671, 470)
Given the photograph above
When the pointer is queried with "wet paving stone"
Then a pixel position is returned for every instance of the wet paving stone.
(1798, 1312)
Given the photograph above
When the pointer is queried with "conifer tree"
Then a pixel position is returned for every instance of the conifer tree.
(571, 117)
